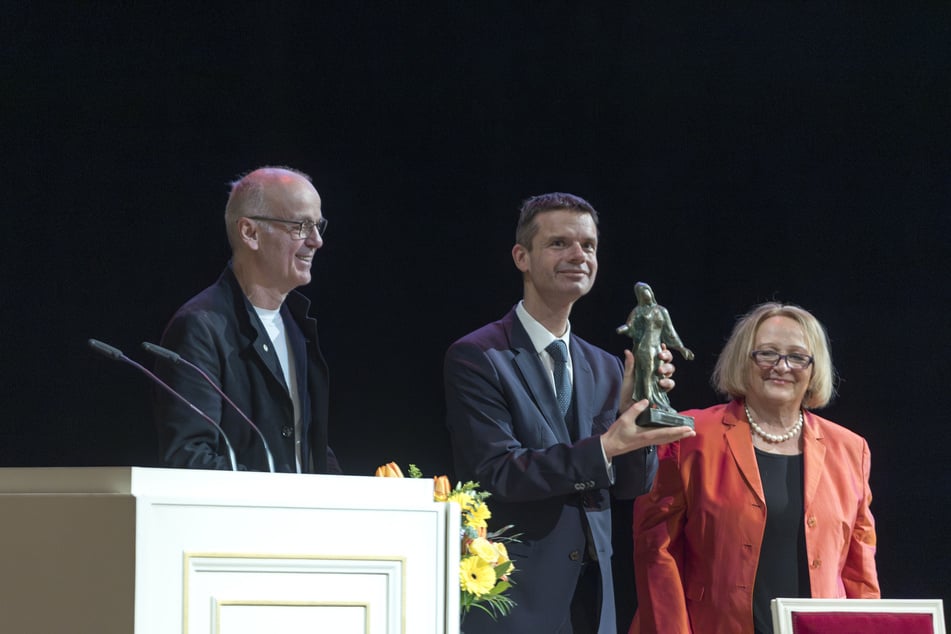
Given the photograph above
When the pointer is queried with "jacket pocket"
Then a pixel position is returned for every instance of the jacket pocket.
(695, 591)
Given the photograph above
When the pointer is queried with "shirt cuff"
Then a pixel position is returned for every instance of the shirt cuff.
(608, 465)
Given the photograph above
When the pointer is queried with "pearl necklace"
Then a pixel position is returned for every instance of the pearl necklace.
(768, 437)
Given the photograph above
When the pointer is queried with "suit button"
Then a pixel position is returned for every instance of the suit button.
(287, 431)
(811, 522)
(579, 486)
(574, 555)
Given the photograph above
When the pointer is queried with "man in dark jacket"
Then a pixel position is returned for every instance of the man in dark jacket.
(544, 421)
(250, 332)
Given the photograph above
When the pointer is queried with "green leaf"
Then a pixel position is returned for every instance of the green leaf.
(500, 587)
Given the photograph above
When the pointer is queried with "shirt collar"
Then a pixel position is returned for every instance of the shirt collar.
(539, 335)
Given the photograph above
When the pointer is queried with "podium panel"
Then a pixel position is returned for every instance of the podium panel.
(166, 550)
(324, 595)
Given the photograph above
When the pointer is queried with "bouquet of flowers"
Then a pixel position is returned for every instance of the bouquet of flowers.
(484, 566)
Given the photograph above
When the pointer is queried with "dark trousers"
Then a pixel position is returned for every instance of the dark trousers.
(586, 603)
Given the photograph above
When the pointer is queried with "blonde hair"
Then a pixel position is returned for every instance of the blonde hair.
(731, 374)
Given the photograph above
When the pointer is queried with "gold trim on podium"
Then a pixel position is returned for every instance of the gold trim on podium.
(189, 557)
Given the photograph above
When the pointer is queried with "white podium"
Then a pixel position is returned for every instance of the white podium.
(130, 550)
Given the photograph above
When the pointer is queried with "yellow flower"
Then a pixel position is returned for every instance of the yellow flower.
(476, 576)
(484, 566)
(503, 558)
(463, 499)
(478, 514)
(484, 550)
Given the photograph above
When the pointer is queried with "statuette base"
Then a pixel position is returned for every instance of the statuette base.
(654, 417)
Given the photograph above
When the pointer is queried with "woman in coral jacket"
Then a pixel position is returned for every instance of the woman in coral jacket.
(767, 500)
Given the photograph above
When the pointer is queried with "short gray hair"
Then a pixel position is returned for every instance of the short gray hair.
(247, 196)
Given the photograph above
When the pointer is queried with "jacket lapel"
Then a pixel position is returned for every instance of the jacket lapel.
(740, 445)
(814, 455)
(583, 388)
(257, 343)
(296, 342)
(535, 376)
(263, 348)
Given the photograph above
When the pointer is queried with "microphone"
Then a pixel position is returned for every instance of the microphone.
(176, 358)
(117, 355)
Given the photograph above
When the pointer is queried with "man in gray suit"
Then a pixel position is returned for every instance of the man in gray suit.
(548, 429)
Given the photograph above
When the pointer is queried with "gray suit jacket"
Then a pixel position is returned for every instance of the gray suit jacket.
(508, 434)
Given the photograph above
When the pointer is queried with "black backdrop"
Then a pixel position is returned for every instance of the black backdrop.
(796, 151)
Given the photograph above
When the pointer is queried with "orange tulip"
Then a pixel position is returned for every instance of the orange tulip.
(389, 470)
(441, 488)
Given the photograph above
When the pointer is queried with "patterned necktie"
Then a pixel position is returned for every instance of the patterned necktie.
(559, 355)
